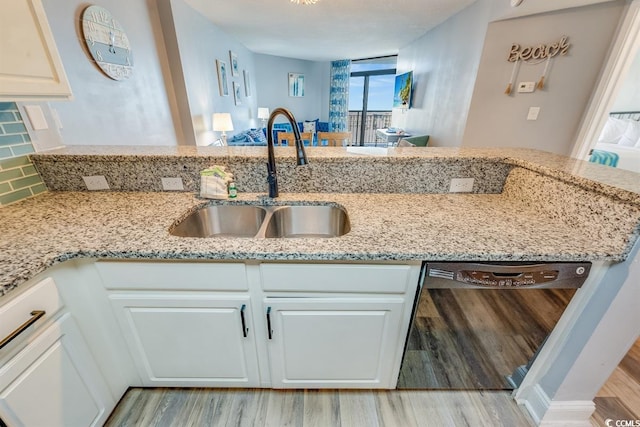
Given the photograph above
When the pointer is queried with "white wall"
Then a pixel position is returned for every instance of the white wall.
(444, 63)
(628, 98)
(272, 81)
(104, 111)
(199, 44)
(496, 119)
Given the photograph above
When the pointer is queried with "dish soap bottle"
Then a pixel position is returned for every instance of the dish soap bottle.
(233, 192)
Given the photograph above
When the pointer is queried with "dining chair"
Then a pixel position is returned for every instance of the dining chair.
(334, 139)
(289, 137)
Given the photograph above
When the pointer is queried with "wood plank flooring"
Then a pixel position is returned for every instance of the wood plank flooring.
(472, 339)
(528, 324)
(321, 408)
(619, 398)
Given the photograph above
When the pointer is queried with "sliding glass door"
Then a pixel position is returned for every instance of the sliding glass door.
(370, 97)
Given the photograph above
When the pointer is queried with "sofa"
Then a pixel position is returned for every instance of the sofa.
(258, 136)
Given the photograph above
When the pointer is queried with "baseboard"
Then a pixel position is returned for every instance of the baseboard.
(547, 413)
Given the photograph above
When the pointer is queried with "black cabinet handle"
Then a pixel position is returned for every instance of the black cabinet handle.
(35, 315)
(244, 322)
(269, 331)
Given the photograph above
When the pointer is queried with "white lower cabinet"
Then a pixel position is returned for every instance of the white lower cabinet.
(334, 342)
(53, 381)
(282, 325)
(186, 340)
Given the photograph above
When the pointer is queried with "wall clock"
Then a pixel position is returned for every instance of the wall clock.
(107, 42)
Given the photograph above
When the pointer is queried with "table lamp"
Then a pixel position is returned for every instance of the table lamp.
(263, 114)
(222, 122)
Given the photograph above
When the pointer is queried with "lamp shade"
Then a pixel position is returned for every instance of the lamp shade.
(222, 122)
(263, 113)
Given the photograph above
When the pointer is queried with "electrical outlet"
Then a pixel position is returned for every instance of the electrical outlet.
(461, 185)
(95, 182)
(172, 184)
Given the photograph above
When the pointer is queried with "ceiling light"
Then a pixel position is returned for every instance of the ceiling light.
(304, 1)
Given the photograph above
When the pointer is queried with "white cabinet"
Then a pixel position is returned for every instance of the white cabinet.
(283, 325)
(334, 342)
(30, 68)
(189, 340)
(185, 323)
(47, 374)
(337, 325)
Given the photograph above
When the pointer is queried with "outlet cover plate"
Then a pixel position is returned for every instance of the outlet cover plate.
(461, 185)
(95, 182)
(172, 184)
(533, 113)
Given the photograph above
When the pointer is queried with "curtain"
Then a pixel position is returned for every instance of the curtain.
(339, 95)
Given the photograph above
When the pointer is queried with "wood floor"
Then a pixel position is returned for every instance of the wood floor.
(472, 339)
(619, 398)
(526, 319)
(325, 408)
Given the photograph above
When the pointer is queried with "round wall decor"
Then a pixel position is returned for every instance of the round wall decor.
(107, 42)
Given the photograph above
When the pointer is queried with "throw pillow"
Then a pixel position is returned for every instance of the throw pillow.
(256, 135)
(237, 138)
(309, 127)
(631, 134)
(613, 130)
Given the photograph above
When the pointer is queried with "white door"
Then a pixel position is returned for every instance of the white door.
(54, 382)
(334, 342)
(188, 340)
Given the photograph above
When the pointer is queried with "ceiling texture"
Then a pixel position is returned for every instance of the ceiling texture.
(329, 29)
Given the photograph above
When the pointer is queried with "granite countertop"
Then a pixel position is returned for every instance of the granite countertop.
(620, 184)
(551, 208)
(57, 226)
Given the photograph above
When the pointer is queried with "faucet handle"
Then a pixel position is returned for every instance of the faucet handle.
(272, 180)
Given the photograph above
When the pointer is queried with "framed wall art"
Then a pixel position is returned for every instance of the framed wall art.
(223, 81)
(247, 83)
(235, 67)
(236, 93)
(296, 84)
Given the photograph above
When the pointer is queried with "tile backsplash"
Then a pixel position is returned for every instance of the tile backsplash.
(18, 177)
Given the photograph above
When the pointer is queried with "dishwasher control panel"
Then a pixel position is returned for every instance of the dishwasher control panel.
(506, 280)
(506, 275)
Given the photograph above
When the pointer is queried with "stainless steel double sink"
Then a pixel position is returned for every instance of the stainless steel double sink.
(289, 221)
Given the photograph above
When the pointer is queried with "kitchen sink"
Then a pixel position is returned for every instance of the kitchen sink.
(308, 221)
(222, 221)
(264, 222)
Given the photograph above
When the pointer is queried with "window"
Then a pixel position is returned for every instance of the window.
(370, 97)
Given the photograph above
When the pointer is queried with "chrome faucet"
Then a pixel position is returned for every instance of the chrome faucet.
(301, 156)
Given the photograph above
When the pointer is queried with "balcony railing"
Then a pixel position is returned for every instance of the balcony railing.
(373, 120)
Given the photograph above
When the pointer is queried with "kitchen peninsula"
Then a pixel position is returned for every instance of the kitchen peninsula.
(525, 205)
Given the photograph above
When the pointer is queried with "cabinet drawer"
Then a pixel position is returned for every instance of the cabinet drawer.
(337, 278)
(43, 296)
(173, 275)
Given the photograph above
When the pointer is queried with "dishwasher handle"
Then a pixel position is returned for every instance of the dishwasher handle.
(506, 275)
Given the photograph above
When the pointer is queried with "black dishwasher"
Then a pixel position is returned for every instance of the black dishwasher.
(479, 325)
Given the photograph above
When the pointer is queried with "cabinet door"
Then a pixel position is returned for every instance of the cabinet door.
(187, 340)
(54, 381)
(30, 67)
(334, 342)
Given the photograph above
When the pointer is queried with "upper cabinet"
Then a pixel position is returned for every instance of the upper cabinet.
(30, 68)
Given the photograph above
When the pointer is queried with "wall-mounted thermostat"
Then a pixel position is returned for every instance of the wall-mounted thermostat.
(526, 87)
